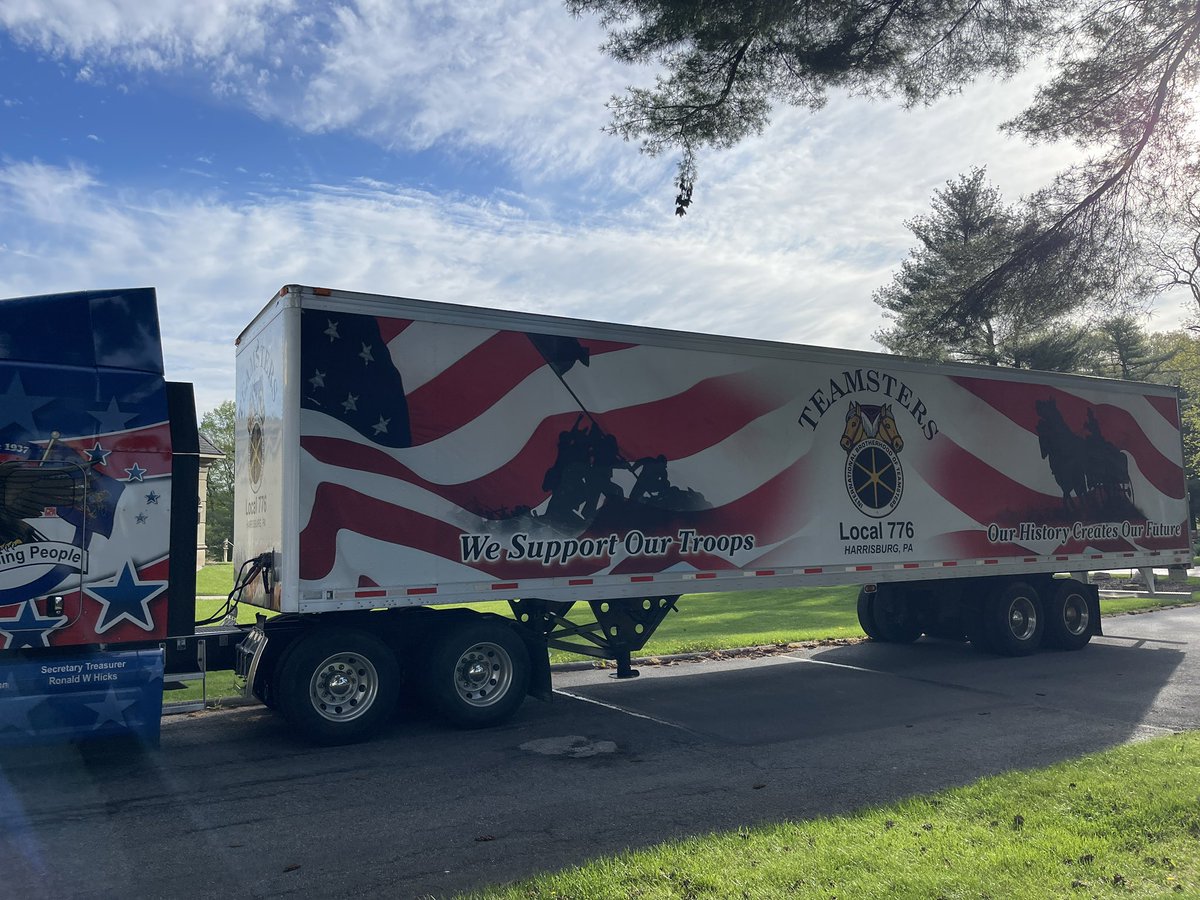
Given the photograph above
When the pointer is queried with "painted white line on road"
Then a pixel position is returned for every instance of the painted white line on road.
(825, 662)
(629, 712)
(1139, 641)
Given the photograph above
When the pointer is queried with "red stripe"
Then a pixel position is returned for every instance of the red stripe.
(765, 572)
(478, 381)
(505, 586)
(863, 568)
(579, 581)
(813, 571)
(912, 565)
(390, 328)
(370, 593)
(641, 578)
(336, 508)
(1167, 407)
(706, 575)
(424, 590)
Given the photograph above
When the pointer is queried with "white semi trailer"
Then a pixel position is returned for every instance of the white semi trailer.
(400, 460)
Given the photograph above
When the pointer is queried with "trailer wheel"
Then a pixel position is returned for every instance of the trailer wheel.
(1014, 619)
(477, 673)
(1068, 617)
(895, 622)
(338, 686)
(866, 614)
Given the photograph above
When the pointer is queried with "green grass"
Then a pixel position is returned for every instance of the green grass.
(215, 580)
(1123, 823)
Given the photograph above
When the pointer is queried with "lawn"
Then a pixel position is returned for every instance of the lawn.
(1123, 823)
(215, 580)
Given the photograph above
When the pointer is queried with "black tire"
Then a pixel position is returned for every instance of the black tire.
(477, 673)
(1014, 619)
(866, 614)
(1068, 617)
(338, 685)
(895, 619)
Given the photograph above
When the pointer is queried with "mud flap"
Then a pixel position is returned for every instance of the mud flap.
(1093, 600)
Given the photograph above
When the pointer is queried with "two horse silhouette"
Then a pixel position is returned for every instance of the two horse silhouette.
(1086, 466)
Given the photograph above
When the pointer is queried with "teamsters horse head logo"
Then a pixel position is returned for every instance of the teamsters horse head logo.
(874, 477)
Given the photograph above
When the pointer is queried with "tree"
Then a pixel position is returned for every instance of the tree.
(727, 62)
(1119, 347)
(1183, 371)
(1122, 86)
(968, 232)
(218, 426)
(1175, 251)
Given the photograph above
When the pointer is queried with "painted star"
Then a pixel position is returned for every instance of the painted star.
(18, 406)
(97, 455)
(366, 355)
(140, 518)
(135, 472)
(332, 331)
(318, 379)
(14, 712)
(152, 498)
(350, 404)
(381, 426)
(110, 709)
(29, 628)
(111, 419)
(125, 597)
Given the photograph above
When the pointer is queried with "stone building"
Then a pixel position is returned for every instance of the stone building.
(209, 454)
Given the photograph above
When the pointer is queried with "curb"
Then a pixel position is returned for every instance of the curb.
(726, 653)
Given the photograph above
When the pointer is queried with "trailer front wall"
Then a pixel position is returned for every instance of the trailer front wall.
(263, 494)
(442, 461)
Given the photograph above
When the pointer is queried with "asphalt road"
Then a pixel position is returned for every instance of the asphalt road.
(232, 806)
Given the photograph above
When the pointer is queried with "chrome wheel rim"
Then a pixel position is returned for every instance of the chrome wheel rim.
(483, 674)
(1076, 617)
(343, 687)
(1022, 618)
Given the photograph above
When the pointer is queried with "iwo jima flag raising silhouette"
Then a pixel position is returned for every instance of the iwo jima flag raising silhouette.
(582, 488)
(488, 444)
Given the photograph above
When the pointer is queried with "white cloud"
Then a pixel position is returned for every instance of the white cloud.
(215, 263)
(789, 235)
(521, 80)
(156, 35)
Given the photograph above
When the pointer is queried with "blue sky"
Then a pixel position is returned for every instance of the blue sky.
(219, 150)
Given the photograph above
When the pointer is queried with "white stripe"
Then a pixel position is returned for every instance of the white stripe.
(424, 350)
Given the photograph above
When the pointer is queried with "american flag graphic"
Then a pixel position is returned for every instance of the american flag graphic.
(437, 453)
(84, 431)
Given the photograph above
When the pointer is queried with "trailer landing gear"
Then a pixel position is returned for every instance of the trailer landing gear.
(621, 626)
